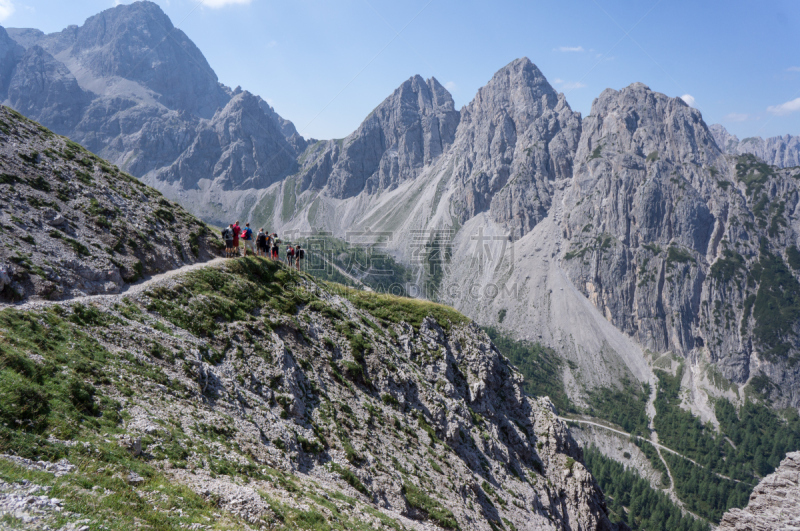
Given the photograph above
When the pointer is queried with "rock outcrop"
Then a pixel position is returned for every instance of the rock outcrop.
(774, 503)
(780, 151)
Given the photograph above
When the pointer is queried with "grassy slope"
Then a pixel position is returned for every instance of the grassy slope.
(65, 379)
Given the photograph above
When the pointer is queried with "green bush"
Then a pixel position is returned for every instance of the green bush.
(436, 513)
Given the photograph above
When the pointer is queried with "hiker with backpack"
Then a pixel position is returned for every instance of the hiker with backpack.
(262, 243)
(289, 256)
(275, 246)
(299, 254)
(247, 238)
(227, 235)
(236, 231)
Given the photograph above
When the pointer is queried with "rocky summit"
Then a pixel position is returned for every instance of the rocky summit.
(781, 151)
(134, 89)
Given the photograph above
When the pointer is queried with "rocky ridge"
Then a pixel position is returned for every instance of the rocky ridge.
(280, 400)
(774, 504)
(72, 224)
(781, 151)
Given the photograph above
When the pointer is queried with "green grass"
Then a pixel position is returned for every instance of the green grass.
(395, 309)
(209, 296)
(418, 499)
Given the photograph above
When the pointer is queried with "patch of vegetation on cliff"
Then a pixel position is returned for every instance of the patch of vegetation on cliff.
(418, 499)
(776, 307)
(541, 366)
(730, 266)
(395, 309)
(753, 172)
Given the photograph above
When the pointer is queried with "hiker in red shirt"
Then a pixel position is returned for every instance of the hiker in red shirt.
(236, 231)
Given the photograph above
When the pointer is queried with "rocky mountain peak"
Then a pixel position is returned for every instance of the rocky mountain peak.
(781, 151)
(10, 54)
(409, 129)
(518, 88)
(516, 137)
(138, 42)
(639, 120)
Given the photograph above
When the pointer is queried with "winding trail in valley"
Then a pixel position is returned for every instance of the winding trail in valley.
(655, 444)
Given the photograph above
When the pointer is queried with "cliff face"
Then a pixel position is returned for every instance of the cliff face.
(774, 503)
(516, 141)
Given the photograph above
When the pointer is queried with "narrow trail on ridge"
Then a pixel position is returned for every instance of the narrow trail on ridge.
(128, 289)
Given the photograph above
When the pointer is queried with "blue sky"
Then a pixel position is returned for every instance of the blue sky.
(326, 64)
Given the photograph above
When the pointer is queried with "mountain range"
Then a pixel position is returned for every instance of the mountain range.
(614, 238)
(637, 243)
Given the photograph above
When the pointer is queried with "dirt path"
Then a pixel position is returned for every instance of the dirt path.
(657, 446)
(129, 289)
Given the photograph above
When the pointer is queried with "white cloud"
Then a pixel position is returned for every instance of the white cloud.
(451, 86)
(568, 49)
(572, 85)
(568, 85)
(272, 44)
(736, 117)
(221, 3)
(785, 108)
(689, 100)
(793, 69)
(6, 9)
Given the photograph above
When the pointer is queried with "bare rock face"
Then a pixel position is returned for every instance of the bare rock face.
(239, 148)
(407, 131)
(641, 180)
(781, 151)
(43, 88)
(774, 503)
(516, 139)
(10, 54)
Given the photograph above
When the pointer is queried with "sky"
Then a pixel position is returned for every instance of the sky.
(326, 64)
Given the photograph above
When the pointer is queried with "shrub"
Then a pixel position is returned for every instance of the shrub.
(420, 500)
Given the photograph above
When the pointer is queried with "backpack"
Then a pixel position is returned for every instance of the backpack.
(301, 253)
(247, 233)
(261, 238)
(290, 251)
(227, 234)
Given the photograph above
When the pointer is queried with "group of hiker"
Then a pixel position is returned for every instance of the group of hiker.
(260, 244)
